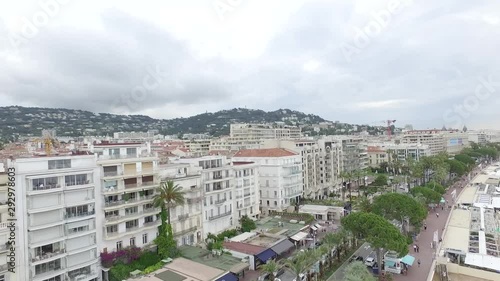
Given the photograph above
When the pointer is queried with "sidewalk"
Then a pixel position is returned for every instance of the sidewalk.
(426, 253)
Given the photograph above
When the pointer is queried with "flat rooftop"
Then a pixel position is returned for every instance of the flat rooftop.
(202, 256)
(278, 226)
(263, 240)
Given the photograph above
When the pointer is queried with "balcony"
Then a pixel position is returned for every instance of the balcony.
(185, 231)
(45, 256)
(76, 183)
(139, 185)
(217, 177)
(194, 200)
(125, 156)
(43, 187)
(132, 229)
(151, 223)
(150, 210)
(220, 201)
(219, 216)
(183, 217)
(112, 174)
(112, 234)
(129, 201)
(78, 215)
(82, 275)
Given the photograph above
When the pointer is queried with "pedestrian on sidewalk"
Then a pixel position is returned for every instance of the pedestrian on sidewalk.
(415, 248)
(418, 262)
(425, 226)
(437, 215)
(432, 245)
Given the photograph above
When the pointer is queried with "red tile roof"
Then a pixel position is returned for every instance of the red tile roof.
(248, 249)
(265, 152)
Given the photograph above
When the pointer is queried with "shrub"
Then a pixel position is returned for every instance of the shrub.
(119, 272)
(153, 268)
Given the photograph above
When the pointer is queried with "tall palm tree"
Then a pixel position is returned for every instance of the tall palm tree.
(346, 177)
(168, 196)
(329, 242)
(271, 267)
(300, 263)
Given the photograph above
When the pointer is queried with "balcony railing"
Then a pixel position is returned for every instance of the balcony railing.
(71, 231)
(131, 229)
(112, 174)
(150, 210)
(84, 275)
(220, 201)
(47, 270)
(137, 185)
(194, 200)
(77, 215)
(151, 223)
(131, 200)
(217, 177)
(185, 231)
(183, 217)
(125, 156)
(219, 216)
(74, 183)
(45, 256)
(46, 187)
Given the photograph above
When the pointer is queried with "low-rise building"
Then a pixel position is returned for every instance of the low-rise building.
(389, 152)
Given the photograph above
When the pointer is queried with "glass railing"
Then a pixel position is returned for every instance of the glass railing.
(77, 215)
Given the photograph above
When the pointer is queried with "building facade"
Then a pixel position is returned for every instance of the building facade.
(186, 219)
(389, 152)
(247, 132)
(246, 190)
(4, 228)
(280, 176)
(217, 178)
(56, 201)
(129, 178)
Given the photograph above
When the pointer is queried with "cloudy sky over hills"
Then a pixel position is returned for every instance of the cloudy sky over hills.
(429, 63)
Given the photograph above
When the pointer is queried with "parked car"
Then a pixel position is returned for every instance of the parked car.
(370, 262)
(279, 272)
(356, 258)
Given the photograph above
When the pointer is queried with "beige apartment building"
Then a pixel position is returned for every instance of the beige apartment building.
(129, 178)
(186, 219)
(389, 152)
(198, 147)
(264, 131)
(450, 141)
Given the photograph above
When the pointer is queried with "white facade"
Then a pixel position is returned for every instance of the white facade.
(478, 137)
(4, 229)
(264, 131)
(55, 206)
(246, 192)
(129, 178)
(388, 152)
(218, 190)
(280, 176)
(186, 220)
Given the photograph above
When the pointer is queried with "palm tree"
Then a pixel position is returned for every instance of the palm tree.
(300, 263)
(346, 176)
(168, 196)
(271, 267)
(329, 242)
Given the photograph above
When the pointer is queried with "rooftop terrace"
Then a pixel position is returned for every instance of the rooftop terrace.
(278, 226)
(205, 257)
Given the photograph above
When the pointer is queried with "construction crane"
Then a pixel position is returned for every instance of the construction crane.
(48, 144)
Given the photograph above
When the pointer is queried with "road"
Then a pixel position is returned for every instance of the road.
(365, 250)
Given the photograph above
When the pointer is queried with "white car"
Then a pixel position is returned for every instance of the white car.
(302, 277)
(370, 261)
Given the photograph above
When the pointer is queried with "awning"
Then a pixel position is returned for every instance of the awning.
(317, 226)
(314, 228)
(266, 255)
(390, 263)
(299, 236)
(282, 247)
(408, 260)
(442, 200)
(228, 277)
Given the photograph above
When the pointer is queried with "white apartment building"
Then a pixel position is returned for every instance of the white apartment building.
(450, 141)
(233, 144)
(280, 175)
(352, 153)
(246, 190)
(5, 275)
(387, 152)
(264, 131)
(186, 220)
(478, 137)
(129, 178)
(58, 231)
(217, 178)
(320, 165)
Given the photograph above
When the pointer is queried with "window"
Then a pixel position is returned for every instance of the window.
(59, 164)
(132, 241)
(145, 238)
(275, 203)
(76, 180)
(119, 246)
(132, 151)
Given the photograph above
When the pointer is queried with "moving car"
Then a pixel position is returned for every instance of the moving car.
(356, 258)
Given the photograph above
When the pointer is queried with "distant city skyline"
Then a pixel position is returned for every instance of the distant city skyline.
(419, 62)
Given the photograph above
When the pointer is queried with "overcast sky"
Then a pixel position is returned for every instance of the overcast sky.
(418, 62)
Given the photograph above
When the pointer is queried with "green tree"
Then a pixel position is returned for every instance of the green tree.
(380, 180)
(165, 242)
(247, 224)
(168, 195)
(436, 187)
(377, 231)
(364, 205)
(357, 271)
(457, 167)
(431, 196)
(301, 262)
(396, 206)
(270, 267)
(466, 159)
(346, 177)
